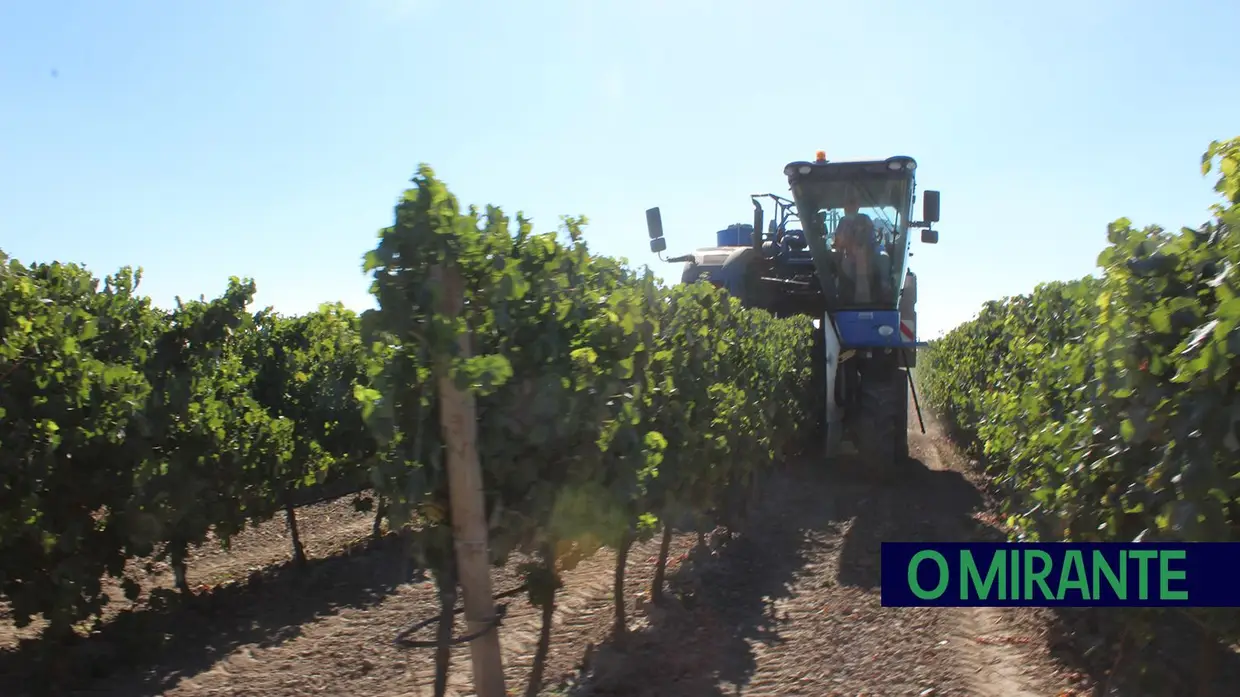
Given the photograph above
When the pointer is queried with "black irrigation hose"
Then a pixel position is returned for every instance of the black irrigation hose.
(403, 640)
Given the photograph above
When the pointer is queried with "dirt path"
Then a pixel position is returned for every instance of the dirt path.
(994, 667)
(789, 608)
(793, 607)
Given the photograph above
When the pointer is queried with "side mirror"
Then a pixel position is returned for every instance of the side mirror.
(929, 236)
(654, 223)
(658, 245)
(930, 207)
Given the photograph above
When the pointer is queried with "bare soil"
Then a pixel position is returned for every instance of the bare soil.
(789, 607)
(326, 529)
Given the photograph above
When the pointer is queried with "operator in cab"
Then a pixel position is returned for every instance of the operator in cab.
(857, 238)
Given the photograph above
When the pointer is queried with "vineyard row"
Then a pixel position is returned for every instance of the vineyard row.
(1107, 407)
(607, 405)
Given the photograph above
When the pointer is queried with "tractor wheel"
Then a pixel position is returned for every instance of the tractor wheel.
(882, 425)
(690, 273)
(740, 277)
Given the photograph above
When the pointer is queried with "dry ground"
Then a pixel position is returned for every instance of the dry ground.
(789, 608)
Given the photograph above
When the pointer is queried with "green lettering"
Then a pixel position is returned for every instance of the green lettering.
(1073, 563)
(912, 574)
(969, 574)
(1143, 557)
(1038, 577)
(1014, 582)
(1165, 574)
(1119, 584)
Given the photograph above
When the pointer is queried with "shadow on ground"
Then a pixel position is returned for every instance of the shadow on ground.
(919, 504)
(1180, 659)
(172, 639)
(717, 601)
(702, 641)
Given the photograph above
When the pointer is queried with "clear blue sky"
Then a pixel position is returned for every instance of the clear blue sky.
(270, 138)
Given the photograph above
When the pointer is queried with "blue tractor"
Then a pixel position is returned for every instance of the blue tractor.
(838, 251)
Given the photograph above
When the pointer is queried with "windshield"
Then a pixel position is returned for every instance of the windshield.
(883, 219)
(862, 225)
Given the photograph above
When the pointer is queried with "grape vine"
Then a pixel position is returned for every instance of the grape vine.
(609, 407)
(1108, 406)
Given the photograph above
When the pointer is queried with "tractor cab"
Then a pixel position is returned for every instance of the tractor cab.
(856, 218)
(840, 243)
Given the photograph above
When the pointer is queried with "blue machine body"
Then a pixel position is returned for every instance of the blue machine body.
(872, 329)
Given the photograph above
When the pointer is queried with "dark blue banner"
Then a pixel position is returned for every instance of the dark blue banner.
(974, 574)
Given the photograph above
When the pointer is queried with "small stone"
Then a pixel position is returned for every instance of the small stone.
(928, 692)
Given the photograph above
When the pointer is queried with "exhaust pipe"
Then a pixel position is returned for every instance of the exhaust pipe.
(757, 224)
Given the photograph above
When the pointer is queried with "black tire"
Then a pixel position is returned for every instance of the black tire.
(740, 277)
(882, 424)
(693, 273)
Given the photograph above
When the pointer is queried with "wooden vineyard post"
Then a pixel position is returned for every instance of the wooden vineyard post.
(458, 418)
